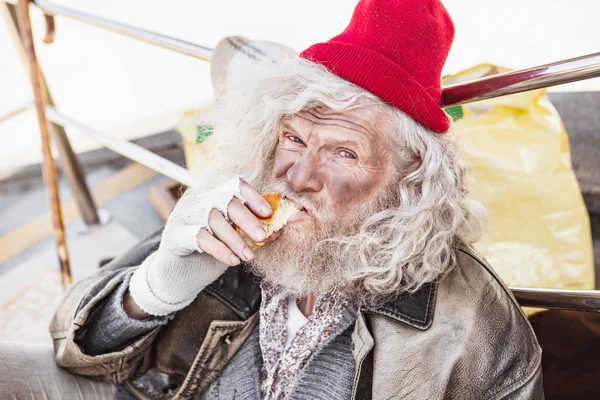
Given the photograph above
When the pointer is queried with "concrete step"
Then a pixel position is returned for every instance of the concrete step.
(580, 113)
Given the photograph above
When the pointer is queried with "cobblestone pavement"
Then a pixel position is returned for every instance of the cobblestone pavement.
(31, 291)
(25, 316)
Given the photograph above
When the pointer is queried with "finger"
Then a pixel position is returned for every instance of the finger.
(210, 245)
(255, 202)
(223, 231)
(240, 215)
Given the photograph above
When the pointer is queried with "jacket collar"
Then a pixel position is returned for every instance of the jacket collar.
(241, 291)
(412, 309)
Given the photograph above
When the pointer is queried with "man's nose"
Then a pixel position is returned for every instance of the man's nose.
(304, 174)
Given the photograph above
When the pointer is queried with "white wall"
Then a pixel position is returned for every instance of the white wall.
(113, 83)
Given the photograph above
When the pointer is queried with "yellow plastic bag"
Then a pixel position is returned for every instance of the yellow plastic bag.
(539, 230)
(194, 129)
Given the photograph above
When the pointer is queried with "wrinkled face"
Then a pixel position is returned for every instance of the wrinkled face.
(338, 159)
(337, 165)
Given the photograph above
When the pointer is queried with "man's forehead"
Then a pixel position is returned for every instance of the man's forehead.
(365, 121)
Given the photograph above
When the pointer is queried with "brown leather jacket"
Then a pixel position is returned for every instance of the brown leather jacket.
(462, 338)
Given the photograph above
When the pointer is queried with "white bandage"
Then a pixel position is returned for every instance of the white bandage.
(171, 278)
(191, 212)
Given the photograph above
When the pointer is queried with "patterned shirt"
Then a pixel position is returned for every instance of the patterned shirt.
(282, 365)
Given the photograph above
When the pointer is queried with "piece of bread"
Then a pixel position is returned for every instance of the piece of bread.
(283, 209)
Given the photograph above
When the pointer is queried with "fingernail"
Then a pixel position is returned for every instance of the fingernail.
(260, 234)
(266, 209)
(235, 260)
(248, 254)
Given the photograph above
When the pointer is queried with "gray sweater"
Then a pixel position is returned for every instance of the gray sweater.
(328, 375)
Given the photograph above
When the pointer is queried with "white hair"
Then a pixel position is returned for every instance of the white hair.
(399, 248)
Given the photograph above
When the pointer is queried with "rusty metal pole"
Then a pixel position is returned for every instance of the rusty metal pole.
(48, 164)
(69, 164)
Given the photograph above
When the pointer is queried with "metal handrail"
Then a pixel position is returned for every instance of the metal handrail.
(157, 39)
(561, 299)
(558, 73)
(547, 75)
(127, 149)
(16, 111)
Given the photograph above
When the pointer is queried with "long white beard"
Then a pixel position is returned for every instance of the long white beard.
(307, 257)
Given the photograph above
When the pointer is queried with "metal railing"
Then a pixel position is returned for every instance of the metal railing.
(558, 73)
(127, 149)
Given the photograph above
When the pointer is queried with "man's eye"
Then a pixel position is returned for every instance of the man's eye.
(347, 154)
(295, 139)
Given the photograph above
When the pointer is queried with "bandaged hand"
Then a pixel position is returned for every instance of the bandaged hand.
(198, 244)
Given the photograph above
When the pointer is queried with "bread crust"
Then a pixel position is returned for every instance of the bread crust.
(271, 224)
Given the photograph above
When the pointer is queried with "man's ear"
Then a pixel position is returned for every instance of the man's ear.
(409, 162)
(415, 165)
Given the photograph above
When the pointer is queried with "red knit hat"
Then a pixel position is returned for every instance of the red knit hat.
(395, 49)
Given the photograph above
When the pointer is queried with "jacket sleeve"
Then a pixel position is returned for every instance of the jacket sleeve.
(109, 328)
(532, 389)
(127, 355)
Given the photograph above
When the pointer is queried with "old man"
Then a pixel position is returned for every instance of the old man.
(371, 291)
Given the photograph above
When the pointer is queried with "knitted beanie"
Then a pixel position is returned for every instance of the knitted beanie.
(395, 49)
